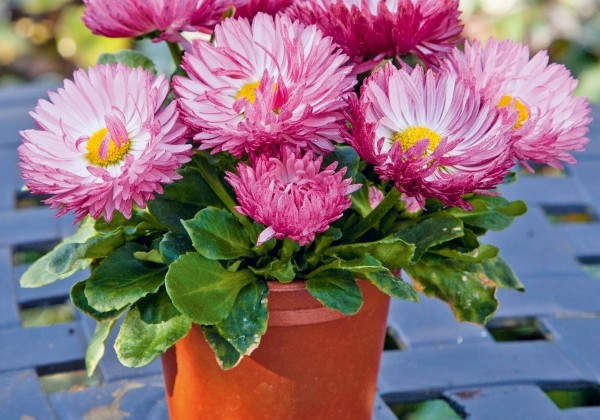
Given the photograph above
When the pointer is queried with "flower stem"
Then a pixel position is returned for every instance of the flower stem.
(176, 53)
(372, 218)
(287, 250)
(216, 185)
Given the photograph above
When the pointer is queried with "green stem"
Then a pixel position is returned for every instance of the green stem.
(372, 218)
(287, 250)
(214, 182)
(176, 53)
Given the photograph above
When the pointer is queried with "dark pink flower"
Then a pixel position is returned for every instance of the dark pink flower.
(551, 122)
(291, 196)
(104, 143)
(430, 134)
(369, 30)
(131, 18)
(270, 83)
(251, 7)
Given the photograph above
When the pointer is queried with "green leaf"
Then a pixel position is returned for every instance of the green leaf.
(483, 252)
(393, 286)
(337, 290)
(182, 200)
(150, 327)
(216, 234)
(490, 212)
(66, 258)
(120, 279)
(153, 256)
(499, 272)
(275, 269)
(430, 232)
(130, 58)
(202, 289)
(80, 301)
(173, 245)
(455, 283)
(247, 322)
(97, 345)
(227, 356)
(38, 274)
(371, 269)
(392, 252)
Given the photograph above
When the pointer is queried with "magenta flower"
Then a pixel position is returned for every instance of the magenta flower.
(431, 135)
(263, 86)
(131, 18)
(291, 196)
(369, 30)
(551, 122)
(103, 142)
(251, 7)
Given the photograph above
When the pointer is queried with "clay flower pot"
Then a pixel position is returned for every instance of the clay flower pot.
(313, 363)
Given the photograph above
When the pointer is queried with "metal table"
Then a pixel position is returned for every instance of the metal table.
(542, 342)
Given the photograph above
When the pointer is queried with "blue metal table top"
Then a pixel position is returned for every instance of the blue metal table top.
(540, 342)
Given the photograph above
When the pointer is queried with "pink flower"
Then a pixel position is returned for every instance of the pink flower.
(431, 135)
(291, 196)
(131, 18)
(551, 122)
(103, 142)
(264, 85)
(252, 7)
(372, 29)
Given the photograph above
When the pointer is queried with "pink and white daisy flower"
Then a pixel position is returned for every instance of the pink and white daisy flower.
(251, 7)
(431, 135)
(291, 196)
(103, 142)
(370, 30)
(131, 18)
(551, 122)
(270, 83)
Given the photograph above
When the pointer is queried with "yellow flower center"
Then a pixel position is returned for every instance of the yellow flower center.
(412, 135)
(523, 116)
(248, 91)
(112, 155)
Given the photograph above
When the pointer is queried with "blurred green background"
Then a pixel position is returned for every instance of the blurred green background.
(45, 39)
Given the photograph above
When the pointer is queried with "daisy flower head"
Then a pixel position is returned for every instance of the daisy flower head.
(431, 135)
(291, 195)
(251, 7)
(551, 122)
(370, 30)
(270, 83)
(104, 143)
(131, 18)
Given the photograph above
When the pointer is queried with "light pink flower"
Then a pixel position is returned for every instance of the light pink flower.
(103, 142)
(131, 18)
(551, 122)
(431, 135)
(291, 196)
(251, 7)
(264, 85)
(371, 29)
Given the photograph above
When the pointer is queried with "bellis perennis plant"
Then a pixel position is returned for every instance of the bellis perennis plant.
(295, 145)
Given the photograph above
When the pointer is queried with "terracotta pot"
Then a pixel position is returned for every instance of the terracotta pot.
(313, 363)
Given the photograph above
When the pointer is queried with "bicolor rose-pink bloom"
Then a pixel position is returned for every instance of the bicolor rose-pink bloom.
(551, 122)
(270, 83)
(131, 18)
(291, 196)
(251, 7)
(431, 135)
(103, 142)
(370, 30)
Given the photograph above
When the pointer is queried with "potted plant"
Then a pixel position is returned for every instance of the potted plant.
(249, 217)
